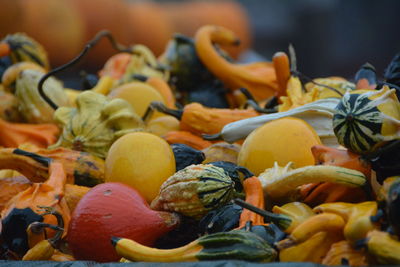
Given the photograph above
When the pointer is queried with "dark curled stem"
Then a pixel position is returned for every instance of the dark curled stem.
(268, 216)
(253, 103)
(299, 74)
(89, 45)
(155, 105)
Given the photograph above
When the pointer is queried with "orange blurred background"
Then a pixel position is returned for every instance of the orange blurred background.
(64, 26)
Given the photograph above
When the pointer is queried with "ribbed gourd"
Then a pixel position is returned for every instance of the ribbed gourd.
(366, 119)
(31, 105)
(195, 190)
(24, 48)
(95, 123)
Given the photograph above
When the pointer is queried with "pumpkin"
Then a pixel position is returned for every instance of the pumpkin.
(367, 119)
(102, 15)
(187, 17)
(149, 25)
(141, 160)
(61, 28)
(114, 209)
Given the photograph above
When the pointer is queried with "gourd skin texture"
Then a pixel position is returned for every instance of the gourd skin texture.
(33, 108)
(283, 140)
(111, 209)
(141, 160)
(139, 95)
(95, 123)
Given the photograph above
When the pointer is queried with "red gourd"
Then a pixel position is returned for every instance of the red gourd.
(114, 209)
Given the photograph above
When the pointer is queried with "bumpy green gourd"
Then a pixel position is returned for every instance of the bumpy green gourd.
(95, 123)
(31, 105)
(195, 190)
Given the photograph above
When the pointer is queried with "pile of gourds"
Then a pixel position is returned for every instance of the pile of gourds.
(192, 156)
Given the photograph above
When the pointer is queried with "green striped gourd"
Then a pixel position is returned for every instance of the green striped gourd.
(366, 119)
(24, 48)
(195, 190)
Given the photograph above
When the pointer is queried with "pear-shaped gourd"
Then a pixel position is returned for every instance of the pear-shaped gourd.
(95, 123)
(31, 105)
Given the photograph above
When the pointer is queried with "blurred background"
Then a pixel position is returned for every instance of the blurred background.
(331, 37)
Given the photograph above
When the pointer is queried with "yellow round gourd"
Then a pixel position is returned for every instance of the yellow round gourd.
(141, 160)
(283, 140)
(162, 125)
(139, 95)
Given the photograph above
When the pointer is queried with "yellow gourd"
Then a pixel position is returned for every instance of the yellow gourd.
(284, 140)
(141, 160)
(139, 95)
(162, 125)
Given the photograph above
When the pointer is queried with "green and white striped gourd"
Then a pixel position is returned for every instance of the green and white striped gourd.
(24, 48)
(195, 190)
(366, 119)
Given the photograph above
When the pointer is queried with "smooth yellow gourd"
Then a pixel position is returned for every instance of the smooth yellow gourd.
(162, 125)
(141, 160)
(284, 140)
(139, 95)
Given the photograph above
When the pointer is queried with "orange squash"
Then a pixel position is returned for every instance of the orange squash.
(25, 208)
(314, 194)
(149, 25)
(187, 16)
(15, 134)
(114, 209)
(187, 138)
(100, 15)
(61, 28)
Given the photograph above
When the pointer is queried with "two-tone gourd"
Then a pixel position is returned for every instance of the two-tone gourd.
(366, 119)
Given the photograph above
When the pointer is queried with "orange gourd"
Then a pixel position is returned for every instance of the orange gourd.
(254, 196)
(114, 209)
(149, 25)
(103, 14)
(187, 138)
(61, 27)
(116, 65)
(259, 77)
(198, 119)
(188, 16)
(11, 187)
(282, 71)
(314, 194)
(26, 207)
(16, 134)
(81, 168)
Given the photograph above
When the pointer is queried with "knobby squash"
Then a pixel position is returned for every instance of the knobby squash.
(25, 208)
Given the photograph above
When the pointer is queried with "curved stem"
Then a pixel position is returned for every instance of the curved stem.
(60, 224)
(246, 172)
(88, 46)
(268, 216)
(161, 108)
(298, 73)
